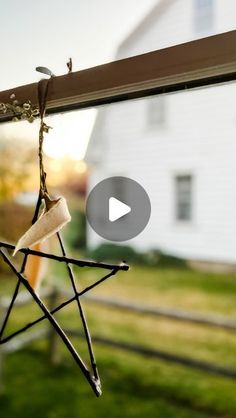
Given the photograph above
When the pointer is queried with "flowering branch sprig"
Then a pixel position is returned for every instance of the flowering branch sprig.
(20, 111)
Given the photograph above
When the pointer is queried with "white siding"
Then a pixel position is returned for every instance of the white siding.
(199, 139)
(176, 25)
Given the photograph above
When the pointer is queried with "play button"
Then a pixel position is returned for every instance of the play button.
(118, 208)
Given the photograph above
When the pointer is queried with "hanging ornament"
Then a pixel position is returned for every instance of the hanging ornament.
(54, 216)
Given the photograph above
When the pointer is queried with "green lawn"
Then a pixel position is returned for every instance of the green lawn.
(133, 386)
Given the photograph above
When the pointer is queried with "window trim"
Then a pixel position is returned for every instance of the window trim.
(156, 113)
(178, 203)
(204, 17)
(193, 64)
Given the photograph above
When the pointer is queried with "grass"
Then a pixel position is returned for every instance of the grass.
(133, 386)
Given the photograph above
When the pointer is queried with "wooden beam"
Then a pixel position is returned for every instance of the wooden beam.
(193, 64)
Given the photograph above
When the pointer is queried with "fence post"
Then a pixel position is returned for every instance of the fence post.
(53, 352)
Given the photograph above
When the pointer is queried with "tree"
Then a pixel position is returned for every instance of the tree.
(17, 164)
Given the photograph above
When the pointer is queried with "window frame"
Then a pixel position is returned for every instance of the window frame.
(178, 203)
(203, 16)
(156, 112)
(194, 64)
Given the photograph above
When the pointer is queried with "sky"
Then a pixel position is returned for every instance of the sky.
(47, 33)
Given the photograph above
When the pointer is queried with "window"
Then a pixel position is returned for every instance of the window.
(203, 15)
(118, 188)
(156, 111)
(183, 189)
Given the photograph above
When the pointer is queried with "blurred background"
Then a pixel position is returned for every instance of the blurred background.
(164, 332)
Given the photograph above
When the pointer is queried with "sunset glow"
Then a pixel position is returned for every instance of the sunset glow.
(70, 134)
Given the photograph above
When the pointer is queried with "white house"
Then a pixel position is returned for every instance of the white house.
(181, 147)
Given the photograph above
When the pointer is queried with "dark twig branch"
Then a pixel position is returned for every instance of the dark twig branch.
(93, 376)
(17, 288)
(81, 312)
(53, 311)
(65, 259)
(54, 323)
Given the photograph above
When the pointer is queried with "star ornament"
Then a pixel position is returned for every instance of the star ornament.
(91, 374)
(46, 223)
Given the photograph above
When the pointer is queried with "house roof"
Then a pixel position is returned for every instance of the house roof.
(151, 18)
(155, 13)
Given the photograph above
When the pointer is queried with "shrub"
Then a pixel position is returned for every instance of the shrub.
(117, 253)
(114, 253)
(158, 258)
(76, 230)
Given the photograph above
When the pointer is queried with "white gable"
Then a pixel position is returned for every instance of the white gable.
(197, 139)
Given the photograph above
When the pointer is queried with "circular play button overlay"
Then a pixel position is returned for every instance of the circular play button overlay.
(118, 208)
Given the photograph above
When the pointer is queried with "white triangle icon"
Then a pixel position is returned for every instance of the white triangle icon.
(117, 209)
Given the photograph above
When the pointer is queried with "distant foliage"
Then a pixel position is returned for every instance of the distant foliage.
(76, 230)
(112, 252)
(116, 253)
(158, 258)
(17, 163)
(14, 221)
